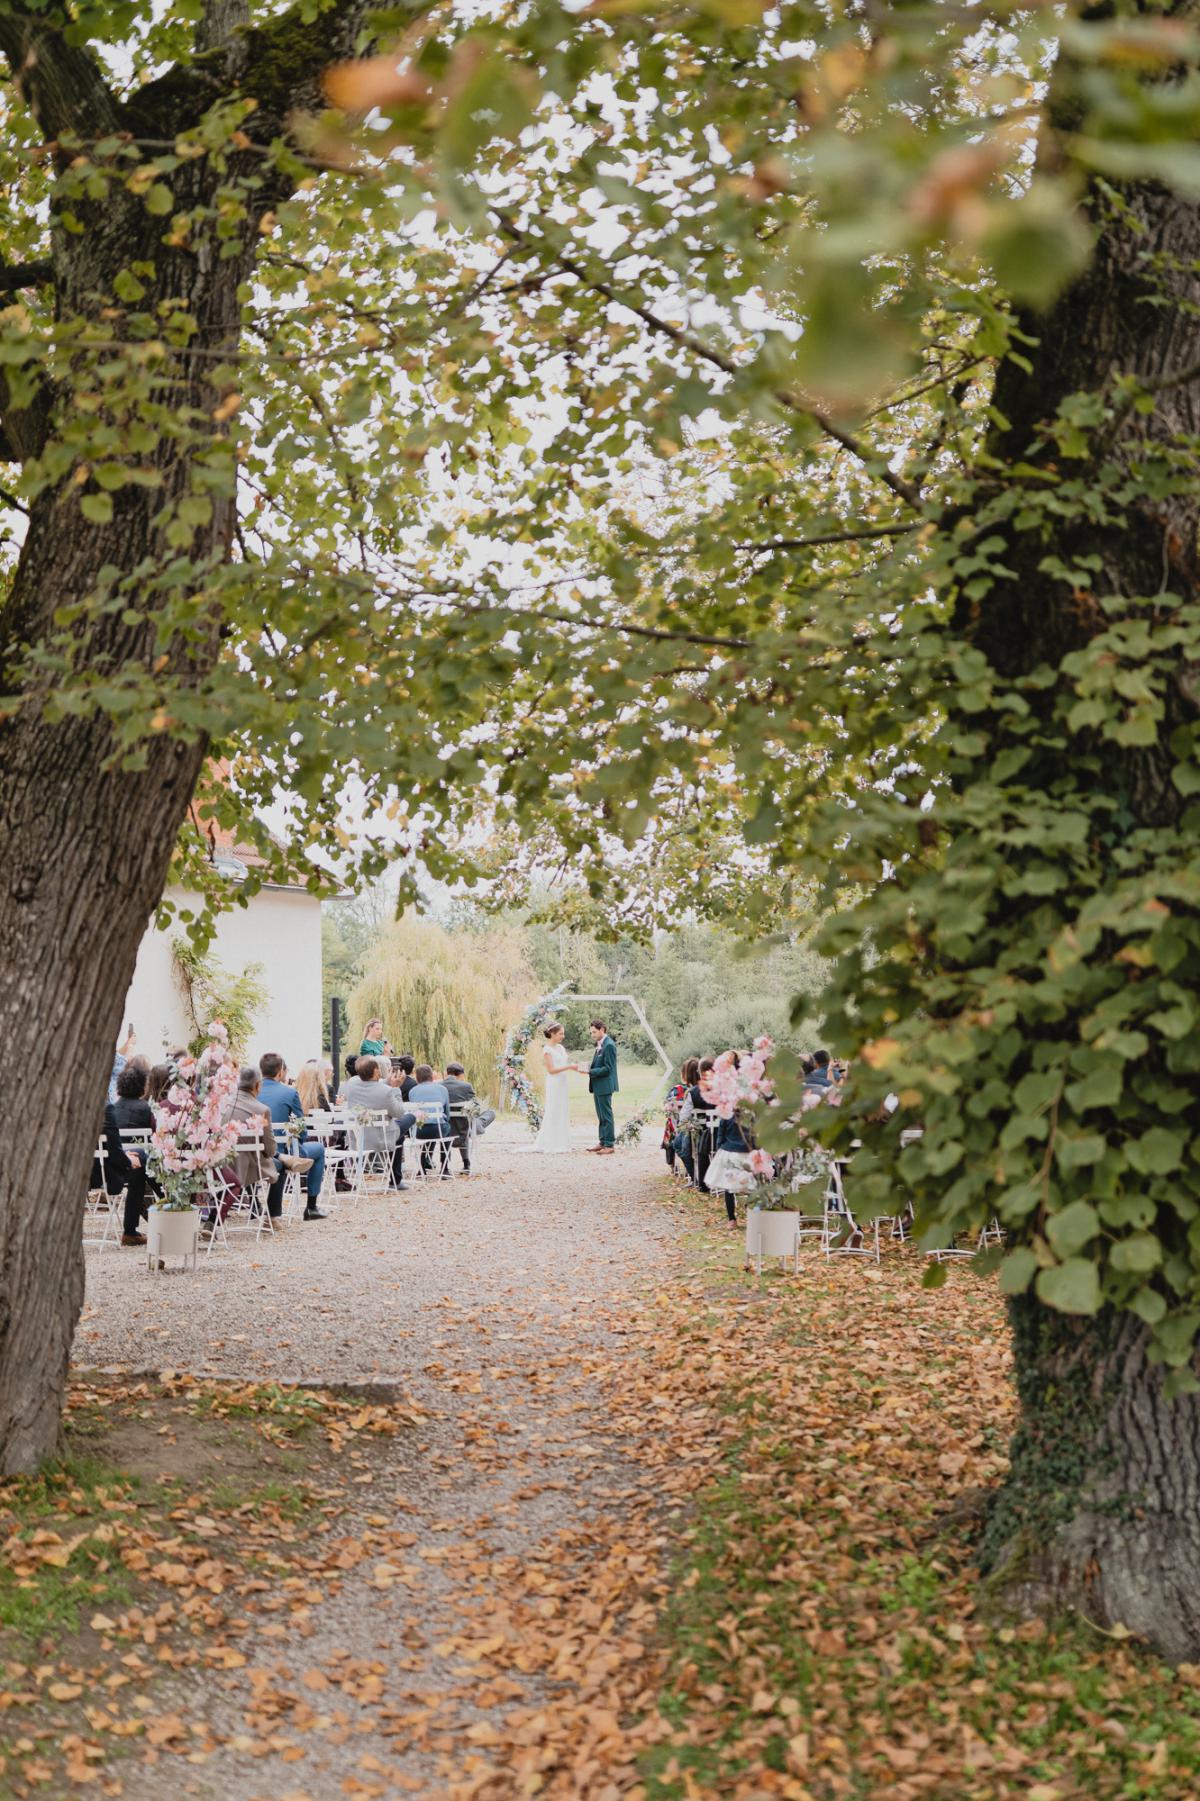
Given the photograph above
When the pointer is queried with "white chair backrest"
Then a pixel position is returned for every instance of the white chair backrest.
(249, 1144)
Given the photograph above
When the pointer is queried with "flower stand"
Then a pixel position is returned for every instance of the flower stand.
(172, 1232)
(772, 1233)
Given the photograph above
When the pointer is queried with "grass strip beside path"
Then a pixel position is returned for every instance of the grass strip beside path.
(823, 1638)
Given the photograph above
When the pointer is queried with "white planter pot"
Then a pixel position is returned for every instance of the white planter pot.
(172, 1234)
(772, 1234)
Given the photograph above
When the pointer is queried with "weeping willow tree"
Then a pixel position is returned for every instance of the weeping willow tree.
(445, 996)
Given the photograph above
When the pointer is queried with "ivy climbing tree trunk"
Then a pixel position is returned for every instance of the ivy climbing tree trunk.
(88, 831)
(1102, 1507)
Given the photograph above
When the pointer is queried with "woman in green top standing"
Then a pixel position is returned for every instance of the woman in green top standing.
(374, 1044)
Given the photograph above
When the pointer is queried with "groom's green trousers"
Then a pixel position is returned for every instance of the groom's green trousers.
(604, 1113)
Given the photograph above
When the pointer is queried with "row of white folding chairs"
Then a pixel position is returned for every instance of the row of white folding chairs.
(843, 1236)
(360, 1165)
(221, 1200)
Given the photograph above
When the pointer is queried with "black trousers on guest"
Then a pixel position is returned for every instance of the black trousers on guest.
(135, 1199)
(405, 1125)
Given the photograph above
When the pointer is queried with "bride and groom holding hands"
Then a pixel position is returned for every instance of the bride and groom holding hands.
(555, 1132)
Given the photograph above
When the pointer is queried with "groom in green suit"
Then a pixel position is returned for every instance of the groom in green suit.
(602, 1081)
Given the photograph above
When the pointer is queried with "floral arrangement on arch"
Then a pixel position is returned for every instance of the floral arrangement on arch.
(193, 1133)
(517, 1089)
(631, 1131)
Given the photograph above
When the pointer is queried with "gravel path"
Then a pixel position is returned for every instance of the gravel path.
(485, 1301)
(357, 1297)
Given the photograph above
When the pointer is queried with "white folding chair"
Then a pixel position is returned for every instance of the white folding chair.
(295, 1192)
(323, 1127)
(991, 1233)
(843, 1236)
(247, 1216)
(430, 1113)
(101, 1206)
(364, 1163)
(462, 1130)
(702, 1129)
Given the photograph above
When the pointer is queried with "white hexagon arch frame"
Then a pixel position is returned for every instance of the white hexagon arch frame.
(630, 1132)
(631, 1001)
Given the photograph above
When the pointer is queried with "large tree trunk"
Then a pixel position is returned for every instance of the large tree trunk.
(86, 842)
(85, 859)
(1101, 1509)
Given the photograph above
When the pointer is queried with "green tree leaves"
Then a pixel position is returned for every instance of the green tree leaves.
(1070, 1287)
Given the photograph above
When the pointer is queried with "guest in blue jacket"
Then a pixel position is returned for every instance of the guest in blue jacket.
(283, 1103)
(430, 1100)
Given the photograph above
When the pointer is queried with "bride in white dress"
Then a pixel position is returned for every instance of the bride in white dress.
(555, 1132)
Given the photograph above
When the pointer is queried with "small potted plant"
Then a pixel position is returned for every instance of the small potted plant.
(192, 1136)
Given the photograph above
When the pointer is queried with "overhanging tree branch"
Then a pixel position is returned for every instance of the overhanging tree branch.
(15, 276)
(784, 397)
(279, 64)
(61, 83)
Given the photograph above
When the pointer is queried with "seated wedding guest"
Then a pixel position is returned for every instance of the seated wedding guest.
(125, 1164)
(461, 1095)
(374, 1043)
(257, 1160)
(367, 1092)
(678, 1108)
(434, 1098)
(351, 1065)
(408, 1081)
(821, 1075)
(283, 1103)
(161, 1077)
(730, 1170)
(313, 1087)
(697, 1147)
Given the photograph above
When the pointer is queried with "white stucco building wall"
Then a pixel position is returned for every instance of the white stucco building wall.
(280, 928)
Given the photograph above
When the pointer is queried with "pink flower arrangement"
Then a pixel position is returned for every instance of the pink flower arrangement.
(741, 1076)
(192, 1130)
(762, 1163)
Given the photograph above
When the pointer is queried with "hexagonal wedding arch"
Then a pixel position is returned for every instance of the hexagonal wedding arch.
(517, 1090)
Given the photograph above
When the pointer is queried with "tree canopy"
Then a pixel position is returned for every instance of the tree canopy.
(749, 451)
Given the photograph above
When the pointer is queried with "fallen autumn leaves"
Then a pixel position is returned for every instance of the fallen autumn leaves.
(762, 1585)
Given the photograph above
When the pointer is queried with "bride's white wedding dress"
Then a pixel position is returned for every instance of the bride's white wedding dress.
(555, 1132)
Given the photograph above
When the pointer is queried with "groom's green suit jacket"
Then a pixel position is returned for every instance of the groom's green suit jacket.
(602, 1076)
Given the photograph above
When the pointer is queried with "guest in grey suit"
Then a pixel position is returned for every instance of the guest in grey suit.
(366, 1091)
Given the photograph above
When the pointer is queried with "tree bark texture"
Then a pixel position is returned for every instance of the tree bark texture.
(87, 845)
(1102, 1510)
